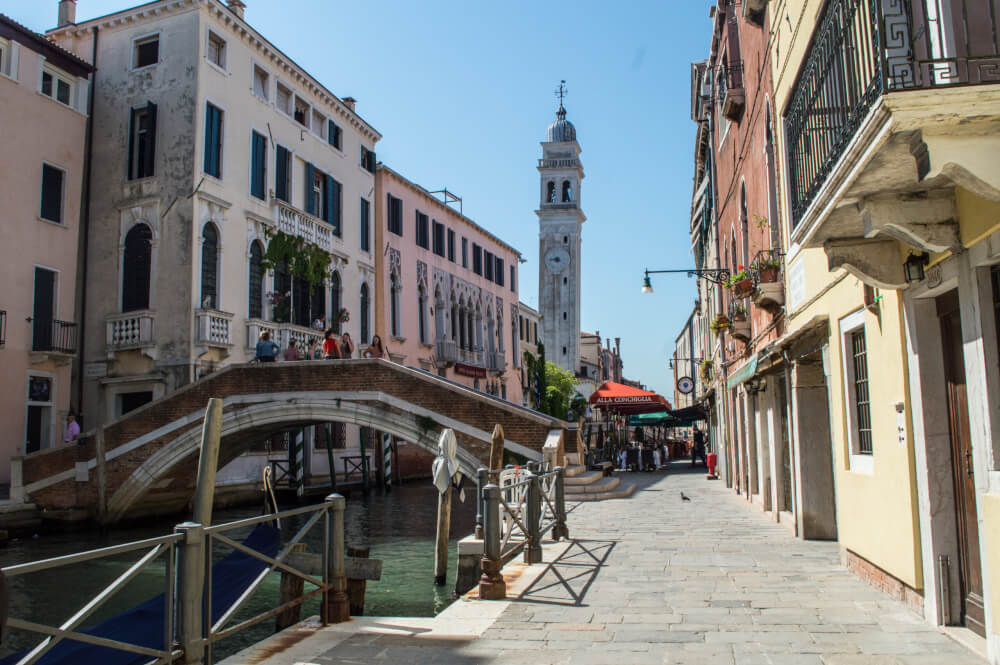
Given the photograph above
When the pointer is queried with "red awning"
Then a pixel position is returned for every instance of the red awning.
(619, 398)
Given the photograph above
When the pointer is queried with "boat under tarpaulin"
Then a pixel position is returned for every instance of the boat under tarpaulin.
(143, 625)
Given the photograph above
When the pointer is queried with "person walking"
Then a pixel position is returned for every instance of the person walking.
(331, 350)
(291, 353)
(375, 349)
(346, 345)
(698, 449)
(266, 350)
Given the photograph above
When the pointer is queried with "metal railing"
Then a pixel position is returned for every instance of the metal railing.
(729, 77)
(53, 335)
(516, 508)
(188, 631)
(764, 262)
(862, 49)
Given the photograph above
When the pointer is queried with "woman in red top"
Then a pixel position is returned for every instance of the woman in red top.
(331, 350)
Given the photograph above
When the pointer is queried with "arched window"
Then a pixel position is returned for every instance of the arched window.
(365, 306)
(210, 267)
(550, 194)
(490, 331)
(461, 326)
(136, 268)
(337, 300)
(745, 224)
(440, 313)
(255, 308)
(394, 305)
(421, 314)
(567, 192)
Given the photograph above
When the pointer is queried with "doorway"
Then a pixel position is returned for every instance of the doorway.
(963, 472)
(43, 310)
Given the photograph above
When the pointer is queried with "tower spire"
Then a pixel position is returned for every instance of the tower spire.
(561, 93)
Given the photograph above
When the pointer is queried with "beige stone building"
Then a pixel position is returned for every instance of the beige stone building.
(44, 93)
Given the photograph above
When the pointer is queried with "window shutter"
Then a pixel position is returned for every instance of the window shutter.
(257, 166)
(281, 174)
(151, 140)
(333, 196)
(331, 133)
(208, 140)
(131, 144)
(310, 199)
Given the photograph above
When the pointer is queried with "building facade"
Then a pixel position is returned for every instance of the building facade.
(230, 196)
(560, 227)
(447, 290)
(527, 331)
(46, 90)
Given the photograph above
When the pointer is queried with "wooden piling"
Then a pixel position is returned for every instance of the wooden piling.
(292, 587)
(441, 545)
(496, 448)
(356, 588)
(102, 478)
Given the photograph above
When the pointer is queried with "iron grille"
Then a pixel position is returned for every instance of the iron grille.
(862, 398)
(862, 49)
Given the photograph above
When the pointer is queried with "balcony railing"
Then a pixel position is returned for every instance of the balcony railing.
(295, 222)
(731, 94)
(130, 330)
(496, 361)
(446, 351)
(282, 333)
(214, 328)
(53, 336)
(862, 49)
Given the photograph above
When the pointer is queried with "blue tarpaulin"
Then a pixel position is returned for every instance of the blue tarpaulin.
(143, 625)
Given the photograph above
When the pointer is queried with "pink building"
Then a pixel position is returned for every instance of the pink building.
(446, 289)
(43, 100)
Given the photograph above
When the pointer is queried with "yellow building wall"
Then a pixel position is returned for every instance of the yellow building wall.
(977, 218)
(990, 535)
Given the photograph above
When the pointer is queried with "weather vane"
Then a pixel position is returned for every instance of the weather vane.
(562, 91)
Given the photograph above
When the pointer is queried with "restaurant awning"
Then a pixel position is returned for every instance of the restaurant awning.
(626, 400)
(678, 418)
(746, 370)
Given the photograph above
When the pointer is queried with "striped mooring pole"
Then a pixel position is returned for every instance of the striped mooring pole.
(297, 462)
(387, 457)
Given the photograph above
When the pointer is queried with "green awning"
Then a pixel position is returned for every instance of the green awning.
(748, 369)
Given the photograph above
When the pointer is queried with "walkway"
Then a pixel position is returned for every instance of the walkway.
(653, 579)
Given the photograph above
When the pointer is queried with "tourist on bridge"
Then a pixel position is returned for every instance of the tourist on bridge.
(72, 429)
(346, 345)
(291, 353)
(331, 350)
(315, 350)
(375, 349)
(267, 350)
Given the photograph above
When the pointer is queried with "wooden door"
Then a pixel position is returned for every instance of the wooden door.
(970, 573)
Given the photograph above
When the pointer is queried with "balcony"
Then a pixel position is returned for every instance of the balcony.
(895, 105)
(496, 361)
(281, 333)
(731, 93)
(52, 339)
(131, 331)
(213, 329)
(472, 357)
(295, 222)
(447, 352)
(767, 267)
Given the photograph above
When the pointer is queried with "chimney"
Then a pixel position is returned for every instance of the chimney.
(618, 346)
(237, 7)
(349, 102)
(67, 13)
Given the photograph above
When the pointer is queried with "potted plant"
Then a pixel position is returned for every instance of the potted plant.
(741, 283)
(706, 371)
(739, 312)
(281, 306)
(767, 269)
(719, 323)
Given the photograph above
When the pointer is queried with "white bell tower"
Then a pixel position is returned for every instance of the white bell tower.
(560, 221)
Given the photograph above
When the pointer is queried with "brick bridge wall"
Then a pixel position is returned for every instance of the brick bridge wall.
(422, 389)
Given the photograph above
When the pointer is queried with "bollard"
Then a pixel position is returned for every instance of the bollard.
(482, 480)
(356, 588)
(190, 588)
(292, 587)
(491, 584)
(532, 517)
(560, 530)
(337, 606)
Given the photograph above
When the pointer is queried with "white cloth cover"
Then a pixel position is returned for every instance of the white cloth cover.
(446, 463)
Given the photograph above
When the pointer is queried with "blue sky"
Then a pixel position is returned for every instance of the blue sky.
(462, 93)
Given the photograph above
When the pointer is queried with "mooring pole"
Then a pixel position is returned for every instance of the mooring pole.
(491, 584)
(208, 463)
(329, 457)
(364, 465)
(190, 591)
(482, 480)
(532, 518)
(443, 529)
(496, 448)
(102, 478)
(337, 605)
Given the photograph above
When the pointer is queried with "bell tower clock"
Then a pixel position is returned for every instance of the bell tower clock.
(560, 221)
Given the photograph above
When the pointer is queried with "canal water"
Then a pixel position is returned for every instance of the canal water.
(398, 526)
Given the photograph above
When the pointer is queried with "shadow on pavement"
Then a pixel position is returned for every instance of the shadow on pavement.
(567, 579)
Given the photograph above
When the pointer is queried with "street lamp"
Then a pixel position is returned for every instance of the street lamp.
(716, 275)
(913, 269)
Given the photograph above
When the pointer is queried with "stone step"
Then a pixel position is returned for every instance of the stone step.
(603, 484)
(585, 478)
(572, 458)
(624, 490)
(574, 470)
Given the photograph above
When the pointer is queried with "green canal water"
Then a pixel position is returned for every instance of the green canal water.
(398, 527)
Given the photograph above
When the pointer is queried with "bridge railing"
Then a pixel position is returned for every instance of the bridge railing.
(519, 509)
(188, 631)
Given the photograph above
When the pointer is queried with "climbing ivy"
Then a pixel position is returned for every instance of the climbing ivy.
(303, 259)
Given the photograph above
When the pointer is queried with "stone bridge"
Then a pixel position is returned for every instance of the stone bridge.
(152, 453)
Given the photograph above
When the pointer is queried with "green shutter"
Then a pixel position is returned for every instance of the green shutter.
(150, 140)
(335, 213)
(310, 199)
(281, 174)
(257, 157)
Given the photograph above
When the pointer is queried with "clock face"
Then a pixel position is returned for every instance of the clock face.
(556, 260)
(685, 385)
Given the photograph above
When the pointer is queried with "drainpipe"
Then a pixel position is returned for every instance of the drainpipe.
(83, 254)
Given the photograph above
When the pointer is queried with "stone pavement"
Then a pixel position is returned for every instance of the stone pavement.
(652, 579)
